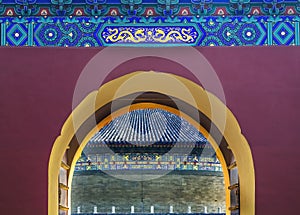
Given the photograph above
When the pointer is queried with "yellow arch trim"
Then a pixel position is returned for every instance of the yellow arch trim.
(165, 84)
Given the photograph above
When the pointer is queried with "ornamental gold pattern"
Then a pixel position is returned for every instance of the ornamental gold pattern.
(166, 34)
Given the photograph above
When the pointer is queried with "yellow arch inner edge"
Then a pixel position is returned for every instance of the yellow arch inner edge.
(162, 83)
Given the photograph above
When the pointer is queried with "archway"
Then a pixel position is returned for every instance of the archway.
(232, 139)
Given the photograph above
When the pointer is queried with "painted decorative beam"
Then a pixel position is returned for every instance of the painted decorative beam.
(147, 161)
(94, 31)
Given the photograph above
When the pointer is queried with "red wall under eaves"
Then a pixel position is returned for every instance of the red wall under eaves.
(261, 85)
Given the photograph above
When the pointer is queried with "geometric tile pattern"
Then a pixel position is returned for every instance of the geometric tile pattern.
(94, 31)
(16, 34)
(283, 33)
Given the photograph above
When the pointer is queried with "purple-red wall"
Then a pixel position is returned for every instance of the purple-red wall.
(262, 88)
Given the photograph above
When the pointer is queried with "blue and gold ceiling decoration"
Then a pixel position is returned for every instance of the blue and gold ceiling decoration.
(86, 23)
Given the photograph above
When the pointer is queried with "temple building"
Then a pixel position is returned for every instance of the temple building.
(140, 143)
(149, 107)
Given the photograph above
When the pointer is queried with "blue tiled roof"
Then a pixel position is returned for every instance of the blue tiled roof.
(148, 126)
